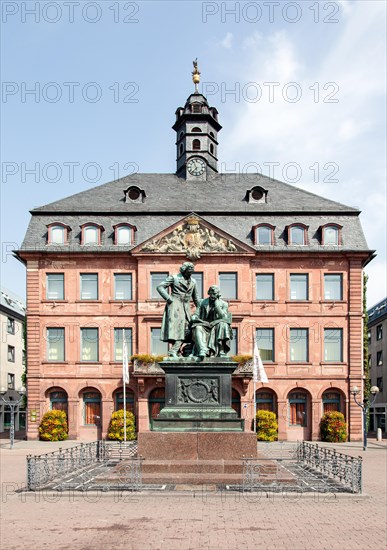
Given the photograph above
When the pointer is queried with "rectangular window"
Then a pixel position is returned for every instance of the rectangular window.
(264, 286)
(118, 343)
(379, 358)
(228, 284)
(11, 381)
(198, 277)
(156, 279)
(123, 286)
(55, 344)
(333, 286)
(55, 286)
(370, 361)
(379, 383)
(379, 332)
(157, 346)
(234, 343)
(299, 286)
(89, 286)
(11, 354)
(10, 325)
(89, 344)
(333, 344)
(299, 345)
(265, 343)
(369, 335)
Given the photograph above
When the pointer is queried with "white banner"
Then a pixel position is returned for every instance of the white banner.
(259, 373)
(125, 368)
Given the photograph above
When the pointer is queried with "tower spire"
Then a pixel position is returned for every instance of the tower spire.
(196, 75)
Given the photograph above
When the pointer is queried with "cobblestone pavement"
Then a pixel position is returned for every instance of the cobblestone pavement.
(192, 520)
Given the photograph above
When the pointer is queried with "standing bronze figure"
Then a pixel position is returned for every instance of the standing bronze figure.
(177, 313)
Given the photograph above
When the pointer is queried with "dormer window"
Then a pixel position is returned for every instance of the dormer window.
(58, 233)
(196, 129)
(124, 234)
(297, 234)
(91, 233)
(331, 234)
(256, 194)
(196, 108)
(134, 194)
(196, 145)
(263, 234)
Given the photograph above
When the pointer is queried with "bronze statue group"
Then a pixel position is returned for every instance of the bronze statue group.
(206, 333)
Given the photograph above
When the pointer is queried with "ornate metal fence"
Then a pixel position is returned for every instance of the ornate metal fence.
(52, 468)
(45, 468)
(120, 450)
(345, 469)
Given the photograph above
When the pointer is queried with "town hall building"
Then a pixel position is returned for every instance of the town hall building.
(288, 262)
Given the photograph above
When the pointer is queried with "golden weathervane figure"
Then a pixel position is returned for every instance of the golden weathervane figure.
(196, 75)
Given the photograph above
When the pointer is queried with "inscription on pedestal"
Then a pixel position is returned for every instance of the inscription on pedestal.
(198, 390)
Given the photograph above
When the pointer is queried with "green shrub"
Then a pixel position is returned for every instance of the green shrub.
(53, 426)
(116, 426)
(241, 359)
(333, 427)
(267, 426)
(147, 359)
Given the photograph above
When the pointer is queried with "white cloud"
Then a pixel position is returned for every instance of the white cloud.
(348, 132)
(227, 41)
(346, 6)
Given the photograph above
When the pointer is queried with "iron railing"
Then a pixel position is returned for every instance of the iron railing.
(345, 469)
(45, 469)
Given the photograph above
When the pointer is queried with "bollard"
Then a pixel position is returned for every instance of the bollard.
(379, 434)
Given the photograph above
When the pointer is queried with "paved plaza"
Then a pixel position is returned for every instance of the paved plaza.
(189, 519)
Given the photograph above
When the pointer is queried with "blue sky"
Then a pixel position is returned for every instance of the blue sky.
(108, 77)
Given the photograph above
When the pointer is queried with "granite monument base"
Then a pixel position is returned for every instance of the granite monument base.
(163, 446)
(198, 396)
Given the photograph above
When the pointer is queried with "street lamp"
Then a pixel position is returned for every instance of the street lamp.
(13, 399)
(365, 406)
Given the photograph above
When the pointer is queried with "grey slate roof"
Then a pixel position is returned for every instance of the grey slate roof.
(377, 313)
(150, 225)
(220, 201)
(169, 193)
(12, 303)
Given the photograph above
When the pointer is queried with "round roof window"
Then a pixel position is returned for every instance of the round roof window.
(256, 193)
(134, 193)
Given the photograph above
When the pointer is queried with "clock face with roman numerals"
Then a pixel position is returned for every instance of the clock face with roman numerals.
(196, 166)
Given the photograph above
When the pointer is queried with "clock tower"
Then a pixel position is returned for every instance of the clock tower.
(197, 130)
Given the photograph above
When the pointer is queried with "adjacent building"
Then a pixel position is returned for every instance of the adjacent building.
(377, 354)
(290, 264)
(13, 358)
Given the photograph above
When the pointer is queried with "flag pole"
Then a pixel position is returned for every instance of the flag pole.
(124, 363)
(255, 409)
(255, 376)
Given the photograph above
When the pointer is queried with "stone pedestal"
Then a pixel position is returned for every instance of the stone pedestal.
(198, 397)
(177, 446)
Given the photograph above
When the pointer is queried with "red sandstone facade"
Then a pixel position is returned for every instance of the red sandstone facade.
(246, 225)
(75, 378)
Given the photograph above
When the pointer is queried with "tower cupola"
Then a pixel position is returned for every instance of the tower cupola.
(197, 130)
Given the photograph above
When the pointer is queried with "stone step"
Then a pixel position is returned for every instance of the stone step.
(200, 466)
(191, 479)
(208, 479)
